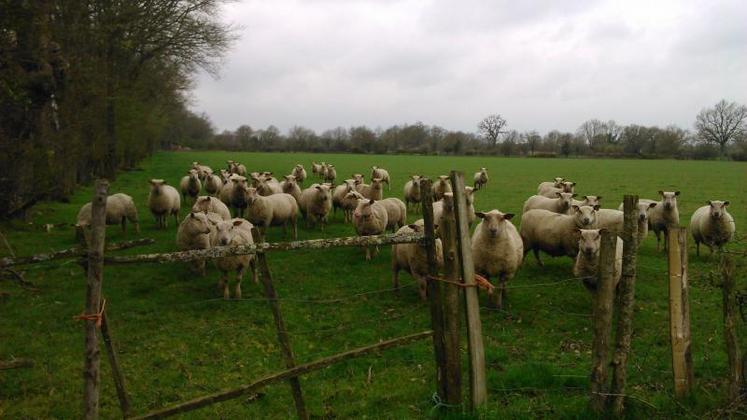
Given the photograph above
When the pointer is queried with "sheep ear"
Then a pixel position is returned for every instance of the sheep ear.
(192, 214)
(372, 201)
(574, 195)
(508, 216)
(599, 197)
(676, 193)
(151, 182)
(575, 208)
(413, 226)
(708, 202)
(726, 203)
(596, 207)
(651, 205)
(558, 194)
(480, 214)
(661, 192)
(573, 184)
(602, 230)
(164, 182)
(318, 187)
(237, 222)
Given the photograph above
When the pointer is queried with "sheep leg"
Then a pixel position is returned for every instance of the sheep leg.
(124, 226)
(422, 287)
(222, 287)
(253, 267)
(395, 273)
(537, 256)
(239, 275)
(697, 248)
(368, 253)
(658, 239)
(294, 225)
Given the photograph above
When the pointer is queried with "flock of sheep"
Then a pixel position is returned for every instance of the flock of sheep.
(553, 220)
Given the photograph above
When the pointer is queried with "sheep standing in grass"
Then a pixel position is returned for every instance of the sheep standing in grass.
(225, 191)
(238, 195)
(206, 203)
(551, 192)
(349, 203)
(234, 232)
(396, 213)
(272, 210)
(587, 259)
(663, 215)
(266, 184)
(290, 186)
(588, 200)
(412, 193)
(190, 185)
(560, 204)
(330, 175)
(119, 209)
(546, 185)
(339, 193)
(163, 201)
(359, 179)
(370, 218)
(556, 234)
(316, 169)
(236, 168)
(374, 191)
(481, 178)
(712, 225)
(614, 220)
(497, 250)
(213, 184)
(412, 257)
(382, 174)
(194, 233)
(441, 186)
(316, 204)
(469, 197)
(299, 173)
(202, 170)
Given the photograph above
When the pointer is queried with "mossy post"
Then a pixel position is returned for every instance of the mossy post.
(451, 296)
(731, 308)
(679, 311)
(602, 307)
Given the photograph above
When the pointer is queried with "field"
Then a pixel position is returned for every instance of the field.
(179, 339)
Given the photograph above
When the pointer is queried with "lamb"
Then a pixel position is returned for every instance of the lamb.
(712, 225)
(551, 192)
(330, 174)
(481, 178)
(234, 232)
(497, 250)
(236, 168)
(266, 184)
(290, 186)
(339, 193)
(370, 218)
(382, 174)
(396, 213)
(556, 183)
(663, 215)
(316, 169)
(440, 187)
(271, 210)
(560, 204)
(225, 176)
(213, 184)
(238, 195)
(119, 209)
(206, 203)
(202, 170)
(412, 257)
(412, 192)
(349, 203)
(190, 185)
(556, 234)
(163, 201)
(588, 200)
(315, 204)
(587, 259)
(194, 233)
(374, 191)
(299, 173)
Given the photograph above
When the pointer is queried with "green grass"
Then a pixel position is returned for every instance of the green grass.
(179, 340)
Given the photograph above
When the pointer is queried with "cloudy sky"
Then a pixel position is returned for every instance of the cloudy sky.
(543, 65)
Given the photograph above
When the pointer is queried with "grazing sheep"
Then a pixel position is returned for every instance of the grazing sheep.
(299, 173)
(119, 209)
(290, 186)
(588, 200)
(315, 204)
(412, 193)
(440, 187)
(481, 178)
(712, 225)
(497, 250)
(330, 174)
(551, 192)
(413, 258)
(556, 183)
(396, 213)
(382, 174)
(206, 203)
(370, 218)
(190, 185)
(339, 193)
(194, 233)
(374, 191)
(663, 215)
(233, 232)
(316, 169)
(163, 201)
(587, 259)
(556, 234)
(238, 194)
(202, 170)
(272, 210)
(560, 204)
(213, 184)
(349, 203)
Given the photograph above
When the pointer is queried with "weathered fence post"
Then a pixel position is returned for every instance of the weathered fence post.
(451, 295)
(119, 381)
(91, 372)
(731, 307)
(434, 288)
(679, 311)
(283, 340)
(478, 385)
(603, 299)
(626, 301)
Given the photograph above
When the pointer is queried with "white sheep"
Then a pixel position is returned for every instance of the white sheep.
(330, 174)
(213, 184)
(233, 232)
(266, 184)
(555, 183)
(712, 225)
(382, 174)
(205, 203)
(316, 204)
(374, 191)
(349, 203)
(469, 198)
(370, 218)
(194, 233)
(412, 193)
(588, 200)
(236, 168)
(412, 257)
(163, 201)
(497, 250)
(551, 192)
(481, 178)
(556, 234)
(441, 186)
(190, 185)
(290, 186)
(272, 210)
(238, 194)
(299, 173)
(663, 215)
(226, 190)
(316, 169)
(396, 213)
(202, 170)
(339, 193)
(119, 209)
(586, 266)
(560, 204)
(359, 179)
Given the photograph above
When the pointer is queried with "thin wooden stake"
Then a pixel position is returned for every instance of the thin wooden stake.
(451, 296)
(119, 381)
(603, 299)
(731, 308)
(478, 383)
(626, 302)
(91, 374)
(679, 311)
(285, 346)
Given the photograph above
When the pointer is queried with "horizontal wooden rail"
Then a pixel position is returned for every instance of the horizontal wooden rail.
(77, 251)
(231, 251)
(283, 375)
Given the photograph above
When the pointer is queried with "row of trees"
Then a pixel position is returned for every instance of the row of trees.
(89, 87)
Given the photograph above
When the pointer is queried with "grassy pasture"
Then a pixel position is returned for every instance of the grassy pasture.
(179, 339)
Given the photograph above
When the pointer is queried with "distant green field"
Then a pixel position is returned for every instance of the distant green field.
(179, 339)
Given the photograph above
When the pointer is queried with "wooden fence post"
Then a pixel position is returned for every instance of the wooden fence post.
(626, 301)
(603, 299)
(91, 372)
(283, 340)
(434, 288)
(451, 295)
(478, 385)
(679, 311)
(731, 308)
(111, 351)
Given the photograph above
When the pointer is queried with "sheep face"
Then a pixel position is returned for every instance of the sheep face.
(494, 222)
(558, 182)
(250, 195)
(193, 175)
(376, 183)
(323, 193)
(567, 186)
(566, 200)
(669, 199)
(592, 200)
(227, 231)
(238, 181)
(364, 211)
(589, 241)
(156, 185)
(198, 223)
(586, 216)
(717, 208)
(643, 209)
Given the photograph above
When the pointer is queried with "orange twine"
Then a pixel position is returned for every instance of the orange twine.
(92, 317)
(480, 282)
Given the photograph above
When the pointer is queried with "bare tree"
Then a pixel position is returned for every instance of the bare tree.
(722, 124)
(491, 127)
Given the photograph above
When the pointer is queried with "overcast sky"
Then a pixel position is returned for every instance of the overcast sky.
(543, 65)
